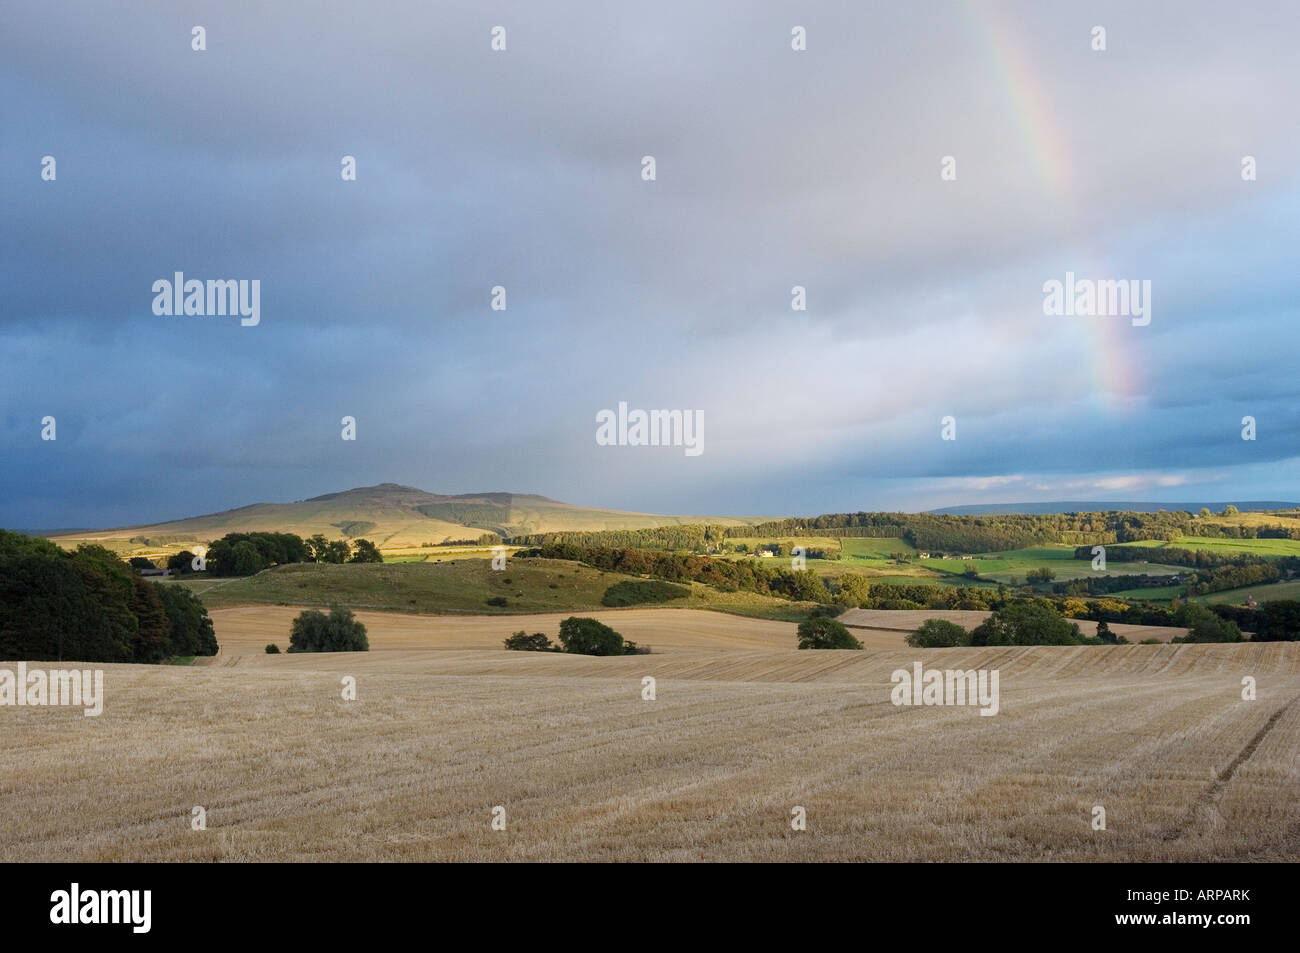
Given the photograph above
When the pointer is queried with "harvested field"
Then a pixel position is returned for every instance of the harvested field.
(248, 629)
(586, 770)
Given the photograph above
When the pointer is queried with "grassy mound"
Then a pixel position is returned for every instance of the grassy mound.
(642, 592)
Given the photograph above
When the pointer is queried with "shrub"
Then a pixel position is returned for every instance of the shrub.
(631, 592)
(1205, 626)
(139, 562)
(821, 632)
(537, 642)
(245, 560)
(897, 604)
(1279, 621)
(273, 649)
(153, 633)
(938, 634)
(243, 554)
(367, 552)
(497, 601)
(589, 637)
(1026, 623)
(337, 551)
(181, 562)
(191, 629)
(314, 631)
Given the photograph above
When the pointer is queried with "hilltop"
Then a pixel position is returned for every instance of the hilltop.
(392, 516)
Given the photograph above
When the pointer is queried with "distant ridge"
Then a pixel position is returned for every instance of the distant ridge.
(394, 517)
(1105, 506)
(396, 493)
(61, 531)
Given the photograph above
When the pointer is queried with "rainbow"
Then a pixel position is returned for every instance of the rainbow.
(1108, 344)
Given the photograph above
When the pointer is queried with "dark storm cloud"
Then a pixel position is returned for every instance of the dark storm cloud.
(521, 169)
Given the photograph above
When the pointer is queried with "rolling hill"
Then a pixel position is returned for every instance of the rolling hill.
(391, 515)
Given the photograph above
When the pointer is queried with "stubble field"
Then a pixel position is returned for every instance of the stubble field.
(739, 734)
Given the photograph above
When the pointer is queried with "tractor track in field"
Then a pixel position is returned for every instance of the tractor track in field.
(1203, 812)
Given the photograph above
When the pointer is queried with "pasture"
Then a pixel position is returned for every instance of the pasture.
(1258, 547)
(1264, 593)
(457, 585)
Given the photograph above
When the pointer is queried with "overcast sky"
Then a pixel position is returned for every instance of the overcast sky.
(523, 169)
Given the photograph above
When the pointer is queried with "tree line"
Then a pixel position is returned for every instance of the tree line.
(727, 575)
(1196, 583)
(244, 554)
(935, 531)
(1195, 558)
(89, 606)
(578, 636)
(691, 537)
(1276, 621)
(1040, 622)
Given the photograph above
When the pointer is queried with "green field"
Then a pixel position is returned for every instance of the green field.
(875, 547)
(1266, 593)
(938, 579)
(1151, 594)
(460, 585)
(869, 556)
(1259, 547)
(873, 555)
(439, 554)
(1059, 557)
(788, 542)
(1263, 593)
(1082, 569)
(1034, 555)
